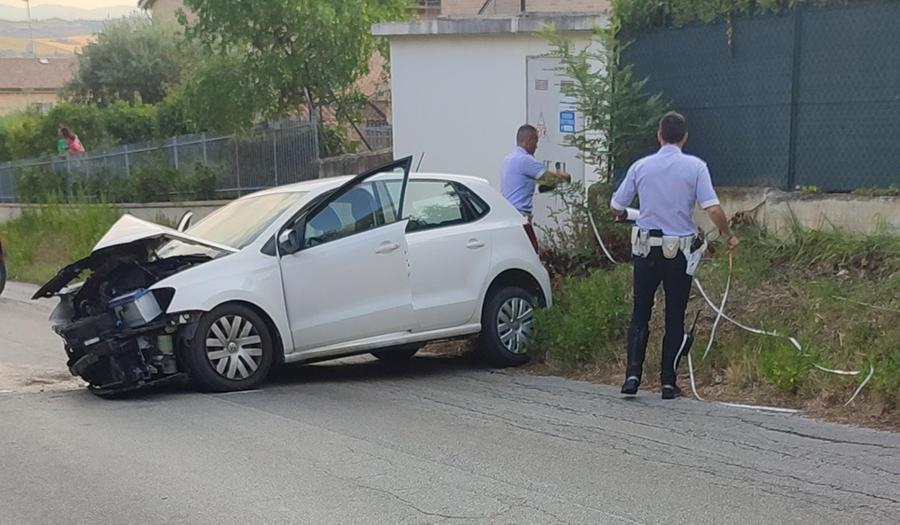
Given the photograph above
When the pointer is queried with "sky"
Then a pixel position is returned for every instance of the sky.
(86, 4)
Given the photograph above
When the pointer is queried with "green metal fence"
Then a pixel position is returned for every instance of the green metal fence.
(808, 98)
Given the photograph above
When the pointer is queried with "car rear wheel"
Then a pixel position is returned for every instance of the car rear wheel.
(2, 275)
(232, 350)
(507, 324)
(397, 354)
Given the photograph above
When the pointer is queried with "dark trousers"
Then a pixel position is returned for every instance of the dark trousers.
(648, 273)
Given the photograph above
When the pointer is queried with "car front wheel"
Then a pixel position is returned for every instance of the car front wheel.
(232, 350)
(507, 324)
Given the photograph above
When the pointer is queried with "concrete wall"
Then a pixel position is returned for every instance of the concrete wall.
(769, 208)
(459, 99)
(774, 209)
(507, 7)
(353, 163)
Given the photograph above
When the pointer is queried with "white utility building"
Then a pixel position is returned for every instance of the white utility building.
(461, 87)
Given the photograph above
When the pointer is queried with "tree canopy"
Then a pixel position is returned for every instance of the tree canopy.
(133, 59)
(292, 54)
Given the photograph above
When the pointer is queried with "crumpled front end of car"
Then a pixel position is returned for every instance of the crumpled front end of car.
(117, 333)
(128, 345)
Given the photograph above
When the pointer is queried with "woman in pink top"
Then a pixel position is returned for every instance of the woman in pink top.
(75, 146)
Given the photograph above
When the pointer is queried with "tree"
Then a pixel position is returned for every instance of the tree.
(620, 117)
(292, 54)
(133, 59)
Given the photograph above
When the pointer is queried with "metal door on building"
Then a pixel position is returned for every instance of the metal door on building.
(554, 115)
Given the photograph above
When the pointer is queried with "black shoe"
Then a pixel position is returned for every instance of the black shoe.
(631, 385)
(670, 391)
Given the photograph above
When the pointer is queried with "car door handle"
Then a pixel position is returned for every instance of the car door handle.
(387, 247)
(474, 244)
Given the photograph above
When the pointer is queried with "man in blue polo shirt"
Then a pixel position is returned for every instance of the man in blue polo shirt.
(521, 171)
(668, 185)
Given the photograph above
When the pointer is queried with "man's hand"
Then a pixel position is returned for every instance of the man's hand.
(717, 215)
(733, 242)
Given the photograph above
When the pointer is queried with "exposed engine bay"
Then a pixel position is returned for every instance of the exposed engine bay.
(116, 333)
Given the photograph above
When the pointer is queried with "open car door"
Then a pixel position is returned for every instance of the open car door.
(344, 264)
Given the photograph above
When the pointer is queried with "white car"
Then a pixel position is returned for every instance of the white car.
(381, 263)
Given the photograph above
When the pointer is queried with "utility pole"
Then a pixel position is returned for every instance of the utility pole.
(31, 30)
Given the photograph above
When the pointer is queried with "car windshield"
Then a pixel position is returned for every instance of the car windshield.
(239, 223)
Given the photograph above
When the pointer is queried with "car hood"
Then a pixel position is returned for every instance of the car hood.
(127, 235)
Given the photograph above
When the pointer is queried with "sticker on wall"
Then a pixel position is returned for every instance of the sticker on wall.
(541, 126)
(567, 121)
(542, 85)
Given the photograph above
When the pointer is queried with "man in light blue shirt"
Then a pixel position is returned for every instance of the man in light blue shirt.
(668, 184)
(521, 171)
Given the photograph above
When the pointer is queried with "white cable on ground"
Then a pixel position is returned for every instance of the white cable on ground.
(693, 382)
(720, 314)
(712, 334)
(861, 385)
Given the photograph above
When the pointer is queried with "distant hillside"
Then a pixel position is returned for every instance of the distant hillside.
(46, 12)
(53, 28)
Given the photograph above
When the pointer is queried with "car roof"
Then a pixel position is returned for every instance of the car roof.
(330, 183)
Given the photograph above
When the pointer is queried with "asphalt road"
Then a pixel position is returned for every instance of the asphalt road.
(440, 441)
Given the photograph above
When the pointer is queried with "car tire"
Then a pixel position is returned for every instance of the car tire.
(224, 358)
(2, 275)
(506, 325)
(397, 354)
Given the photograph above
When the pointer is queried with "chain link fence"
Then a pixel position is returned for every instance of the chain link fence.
(278, 153)
(807, 99)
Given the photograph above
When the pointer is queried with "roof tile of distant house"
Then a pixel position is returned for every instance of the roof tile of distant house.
(33, 74)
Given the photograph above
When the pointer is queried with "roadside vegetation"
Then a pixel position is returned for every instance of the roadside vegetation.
(46, 238)
(837, 293)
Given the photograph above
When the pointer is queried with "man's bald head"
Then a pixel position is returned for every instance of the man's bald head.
(527, 138)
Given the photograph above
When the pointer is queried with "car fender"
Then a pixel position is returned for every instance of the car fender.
(534, 269)
(248, 276)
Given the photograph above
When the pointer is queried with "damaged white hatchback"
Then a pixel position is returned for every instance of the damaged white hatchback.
(381, 263)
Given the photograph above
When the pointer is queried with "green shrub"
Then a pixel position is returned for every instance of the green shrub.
(153, 183)
(200, 184)
(785, 367)
(101, 186)
(588, 322)
(333, 141)
(40, 184)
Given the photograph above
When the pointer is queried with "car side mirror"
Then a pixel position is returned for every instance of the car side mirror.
(185, 222)
(288, 241)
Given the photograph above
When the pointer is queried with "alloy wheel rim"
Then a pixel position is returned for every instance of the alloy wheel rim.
(234, 347)
(515, 321)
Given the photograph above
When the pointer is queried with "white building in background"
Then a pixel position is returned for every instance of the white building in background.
(165, 10)
(461, 87)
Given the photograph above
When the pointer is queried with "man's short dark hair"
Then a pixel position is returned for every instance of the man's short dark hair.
(525, 132)
(672, 127)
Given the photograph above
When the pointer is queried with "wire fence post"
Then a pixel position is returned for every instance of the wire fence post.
(237, 166)
(127, 164)
(175, 151)
(795, 95)
(205, 160)
(275, 155)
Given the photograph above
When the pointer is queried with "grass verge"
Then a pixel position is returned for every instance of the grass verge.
(838, 294)
(46, 238)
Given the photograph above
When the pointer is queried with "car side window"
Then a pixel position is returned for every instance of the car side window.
(433, 204)
(360, 209)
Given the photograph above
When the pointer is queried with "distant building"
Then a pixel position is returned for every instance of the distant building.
(32, 83)
(462, 84)
(165, 10)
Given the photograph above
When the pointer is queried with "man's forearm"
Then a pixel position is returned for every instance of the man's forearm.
(717, 215)
(553, 177)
